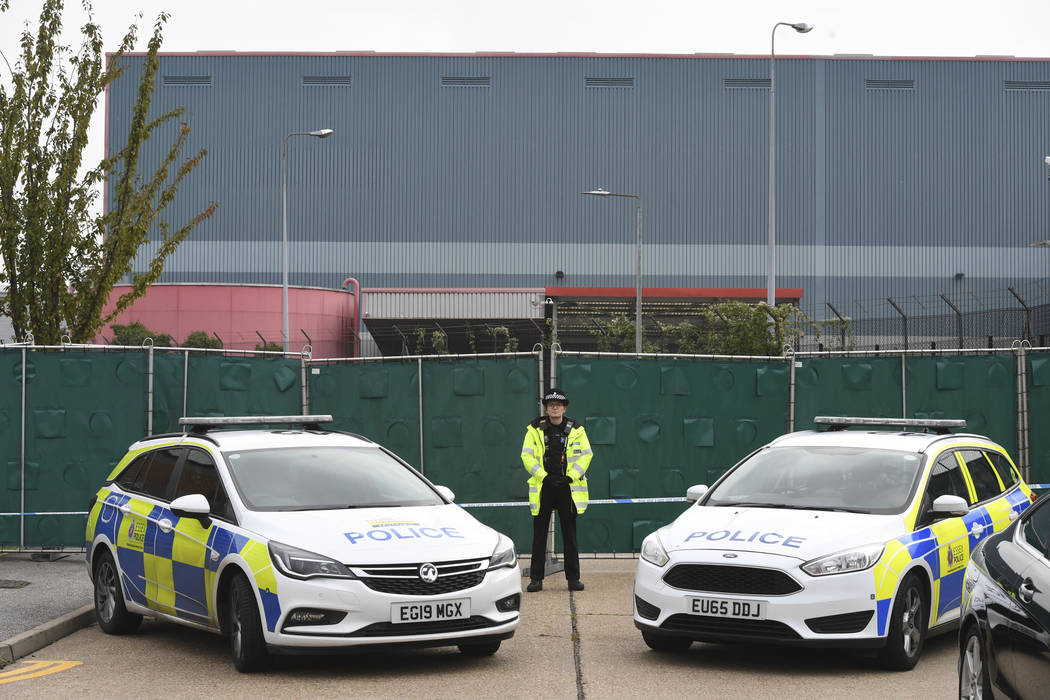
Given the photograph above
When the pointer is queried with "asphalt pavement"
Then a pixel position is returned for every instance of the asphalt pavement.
(42, 599)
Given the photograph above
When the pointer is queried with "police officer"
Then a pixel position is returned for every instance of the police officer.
(556, 453)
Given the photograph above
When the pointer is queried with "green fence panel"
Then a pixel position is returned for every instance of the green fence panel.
(660, 425)
(980, 388)
(10, 443)
(83, 409)
(169, 371)
(379, 400)
(221, 385)
(1038, 380)
(846, 386)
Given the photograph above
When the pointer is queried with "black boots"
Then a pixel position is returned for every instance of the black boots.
(534, 586)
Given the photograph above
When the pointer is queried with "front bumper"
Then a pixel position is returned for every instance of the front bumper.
(814, 615)
(366, 614)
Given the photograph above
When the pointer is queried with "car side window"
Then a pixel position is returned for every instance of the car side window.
(199, 475)
(1002, 467)
(126, 479)
(985, 483)
(946, 478)
(1036, 530)
(154, 481)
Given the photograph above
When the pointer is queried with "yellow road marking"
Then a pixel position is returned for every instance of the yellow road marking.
(34, 669)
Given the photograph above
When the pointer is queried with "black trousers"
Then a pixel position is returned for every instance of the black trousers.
(555, 498)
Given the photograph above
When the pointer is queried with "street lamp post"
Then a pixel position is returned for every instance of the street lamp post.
(321, 134)
(638, 269)
(771, 257)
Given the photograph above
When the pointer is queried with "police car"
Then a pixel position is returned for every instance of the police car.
(831, 537)
(290, 540)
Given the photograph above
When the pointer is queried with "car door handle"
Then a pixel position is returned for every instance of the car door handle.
(165, 525)
(1026, 591)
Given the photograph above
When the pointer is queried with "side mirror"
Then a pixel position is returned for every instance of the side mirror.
(948, 505)
(695, 493)
(193, 505)
(446, 493)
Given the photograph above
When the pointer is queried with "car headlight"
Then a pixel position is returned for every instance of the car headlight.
(653, 550)
(504, 554)
(856, 559)
(299, 563)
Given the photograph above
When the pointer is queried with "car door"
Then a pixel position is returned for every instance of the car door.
(949, 537)
(1027, 665)
(152, 524)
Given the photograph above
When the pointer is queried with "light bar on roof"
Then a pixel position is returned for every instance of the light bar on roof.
(934, 423)
(256, 420)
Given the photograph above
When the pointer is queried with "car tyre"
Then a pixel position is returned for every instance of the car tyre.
(481, 649)
(110, 612)
(907, 632)
(973, 668)
(660, 642)
(244, 627)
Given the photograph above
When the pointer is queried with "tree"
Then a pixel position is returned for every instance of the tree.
(201, 339)
(60, 258)
(135, 333)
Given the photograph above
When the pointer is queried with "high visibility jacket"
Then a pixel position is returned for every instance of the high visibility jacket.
(577, 459)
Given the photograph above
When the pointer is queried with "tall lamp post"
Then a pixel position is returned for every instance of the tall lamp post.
(771, 256)
(321, 134)
(638, 270)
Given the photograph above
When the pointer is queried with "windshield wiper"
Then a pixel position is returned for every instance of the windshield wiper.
(789, 506)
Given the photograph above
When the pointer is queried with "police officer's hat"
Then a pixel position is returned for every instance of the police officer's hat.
(555, 394)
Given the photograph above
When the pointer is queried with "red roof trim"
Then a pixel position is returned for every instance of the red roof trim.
(674, 292)
(453, 290)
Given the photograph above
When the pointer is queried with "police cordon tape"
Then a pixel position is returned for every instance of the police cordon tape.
(500, 504)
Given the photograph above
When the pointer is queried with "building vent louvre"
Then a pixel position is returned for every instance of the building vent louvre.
(327, 80)
(466, 81)
(598, 82)
(1014, 85)
(186, 80)
(745, 83)
(879, 84)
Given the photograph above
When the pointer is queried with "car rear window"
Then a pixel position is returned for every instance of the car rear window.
(983, 476)
(1002, 467)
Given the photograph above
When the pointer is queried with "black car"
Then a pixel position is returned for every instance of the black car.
(1004, 638)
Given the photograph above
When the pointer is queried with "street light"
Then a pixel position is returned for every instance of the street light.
(321, 134)
(638, 270)
(771, 264)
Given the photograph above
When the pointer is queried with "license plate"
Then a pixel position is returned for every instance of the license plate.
(431, 611)
(721, 607)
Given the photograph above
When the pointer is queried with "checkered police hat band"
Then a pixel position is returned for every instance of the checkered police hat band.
(554, 396)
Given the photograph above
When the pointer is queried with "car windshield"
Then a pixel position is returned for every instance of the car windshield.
(852, 479)
(326, 478)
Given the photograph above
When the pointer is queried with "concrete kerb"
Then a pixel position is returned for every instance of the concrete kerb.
(40, 636)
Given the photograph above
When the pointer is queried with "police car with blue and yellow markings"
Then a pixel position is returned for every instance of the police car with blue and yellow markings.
(297, 539)
(831, 537)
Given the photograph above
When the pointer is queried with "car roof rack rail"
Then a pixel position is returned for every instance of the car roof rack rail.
(201, 425)
(940, 426)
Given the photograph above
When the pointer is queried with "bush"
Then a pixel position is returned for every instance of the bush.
(134, 333)
(201, 339)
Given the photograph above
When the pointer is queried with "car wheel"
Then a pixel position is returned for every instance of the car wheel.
(973, 669)
(907, 631)
(660, 642)
(482, 649)
(245, 627)
(110, 612)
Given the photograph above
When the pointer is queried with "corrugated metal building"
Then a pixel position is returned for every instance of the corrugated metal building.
(903, 178)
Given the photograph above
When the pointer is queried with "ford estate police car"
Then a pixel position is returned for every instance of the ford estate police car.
(830, 537)
(299, 539)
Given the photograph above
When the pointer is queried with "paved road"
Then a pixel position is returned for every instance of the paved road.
(164, 660)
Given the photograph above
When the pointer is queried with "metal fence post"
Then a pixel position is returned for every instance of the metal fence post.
(22, 459)
(149, 386)
(419, 364)
(904, 318)
(1024, 458)
(958, 319)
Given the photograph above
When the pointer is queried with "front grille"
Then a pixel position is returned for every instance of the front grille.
(389, 629)
(403, 579)
(646, 609)
(415, 586)
(845, 623)
(704, 626)
(719, 578)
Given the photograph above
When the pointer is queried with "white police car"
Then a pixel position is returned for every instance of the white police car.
(294, 540)
(830, 537)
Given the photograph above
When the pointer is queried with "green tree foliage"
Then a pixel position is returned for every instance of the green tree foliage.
(60, 257)
(202, 339)
(269, 346)
(439, 341)
(135, 333)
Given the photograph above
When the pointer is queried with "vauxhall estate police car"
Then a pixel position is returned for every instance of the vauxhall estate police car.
(290, 540)
(830, 537)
